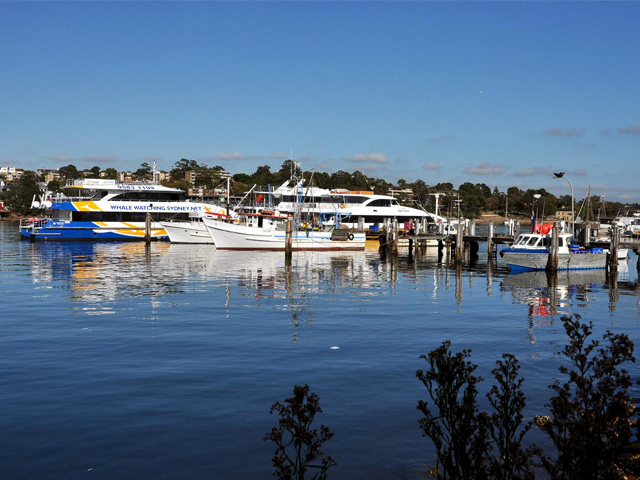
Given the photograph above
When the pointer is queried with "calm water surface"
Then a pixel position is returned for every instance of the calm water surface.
(127, 361)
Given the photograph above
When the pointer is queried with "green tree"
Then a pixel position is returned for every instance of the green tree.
(263, 176)
(241, 177)
(473, 199)
(182, 166)
(420, 190)
(20, 193)
(289, 169)
(342, 179)
(516, 202)
(69, 172)
(145, 172)
(379, 185)
(110, 173)
(93, 172)
(360, 181)
(54, 186)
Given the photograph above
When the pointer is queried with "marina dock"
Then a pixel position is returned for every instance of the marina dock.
(466, 239)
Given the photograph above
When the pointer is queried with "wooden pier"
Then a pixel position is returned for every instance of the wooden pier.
(467, 239)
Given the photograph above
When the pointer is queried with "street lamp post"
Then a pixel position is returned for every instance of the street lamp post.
(561, 175)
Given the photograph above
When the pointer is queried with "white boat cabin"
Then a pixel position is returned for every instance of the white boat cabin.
(537, 241)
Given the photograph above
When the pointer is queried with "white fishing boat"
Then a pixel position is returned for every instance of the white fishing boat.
(267, 231)
(530, 251)
(192, 231)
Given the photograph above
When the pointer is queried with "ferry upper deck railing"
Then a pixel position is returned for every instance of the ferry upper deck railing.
(32, 223)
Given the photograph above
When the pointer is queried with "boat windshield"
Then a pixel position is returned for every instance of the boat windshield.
(528, 240)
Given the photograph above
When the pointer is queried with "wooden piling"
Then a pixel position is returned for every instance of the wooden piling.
(394, 233)
(288, 243)
(490, 240)
(552, 260)
(147, 228)
(613, 249)
(459, 243)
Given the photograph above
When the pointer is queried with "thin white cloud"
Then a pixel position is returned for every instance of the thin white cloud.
(580, 172)
(97, 160)
(369, 169)
(633, 130)
(368, 158)
(60, 158)
(530, 172)
(587, 146)
(278, 155)
(431, 166)
(441, 138)
(236, 156)
(565, 132)
(485, 168)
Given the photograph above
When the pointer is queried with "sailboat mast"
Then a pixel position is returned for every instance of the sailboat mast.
(228, 194)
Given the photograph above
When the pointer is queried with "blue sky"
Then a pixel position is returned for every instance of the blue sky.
(501, 93)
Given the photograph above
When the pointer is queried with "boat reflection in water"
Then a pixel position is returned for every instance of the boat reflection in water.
(548, 294)
(100, 275)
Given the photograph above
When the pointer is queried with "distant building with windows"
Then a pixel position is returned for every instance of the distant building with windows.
(190, 176)
(51, 175)
(400, 192)
(11, 174)
(125, 177)
(564, 215)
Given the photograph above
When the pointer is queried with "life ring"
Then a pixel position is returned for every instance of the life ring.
(343, 205)
(351, 236)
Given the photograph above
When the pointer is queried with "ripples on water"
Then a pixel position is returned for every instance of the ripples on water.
(162, 361)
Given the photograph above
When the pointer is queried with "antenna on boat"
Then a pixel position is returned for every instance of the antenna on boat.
(155, 172)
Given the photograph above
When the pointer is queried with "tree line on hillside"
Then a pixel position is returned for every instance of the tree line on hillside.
(468, 200)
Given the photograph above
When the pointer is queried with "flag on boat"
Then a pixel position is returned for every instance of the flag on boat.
(533, 220)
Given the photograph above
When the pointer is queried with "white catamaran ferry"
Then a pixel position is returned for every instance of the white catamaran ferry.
(113, 211)
(353, 209)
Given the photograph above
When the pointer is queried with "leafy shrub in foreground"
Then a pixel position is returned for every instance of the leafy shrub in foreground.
(591, 411)
(294, 430)
(458, 430)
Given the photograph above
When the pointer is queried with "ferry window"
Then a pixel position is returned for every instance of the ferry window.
(381, 202)
(546, 242)
(61, 215)
(151, 196)
(100, 194)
